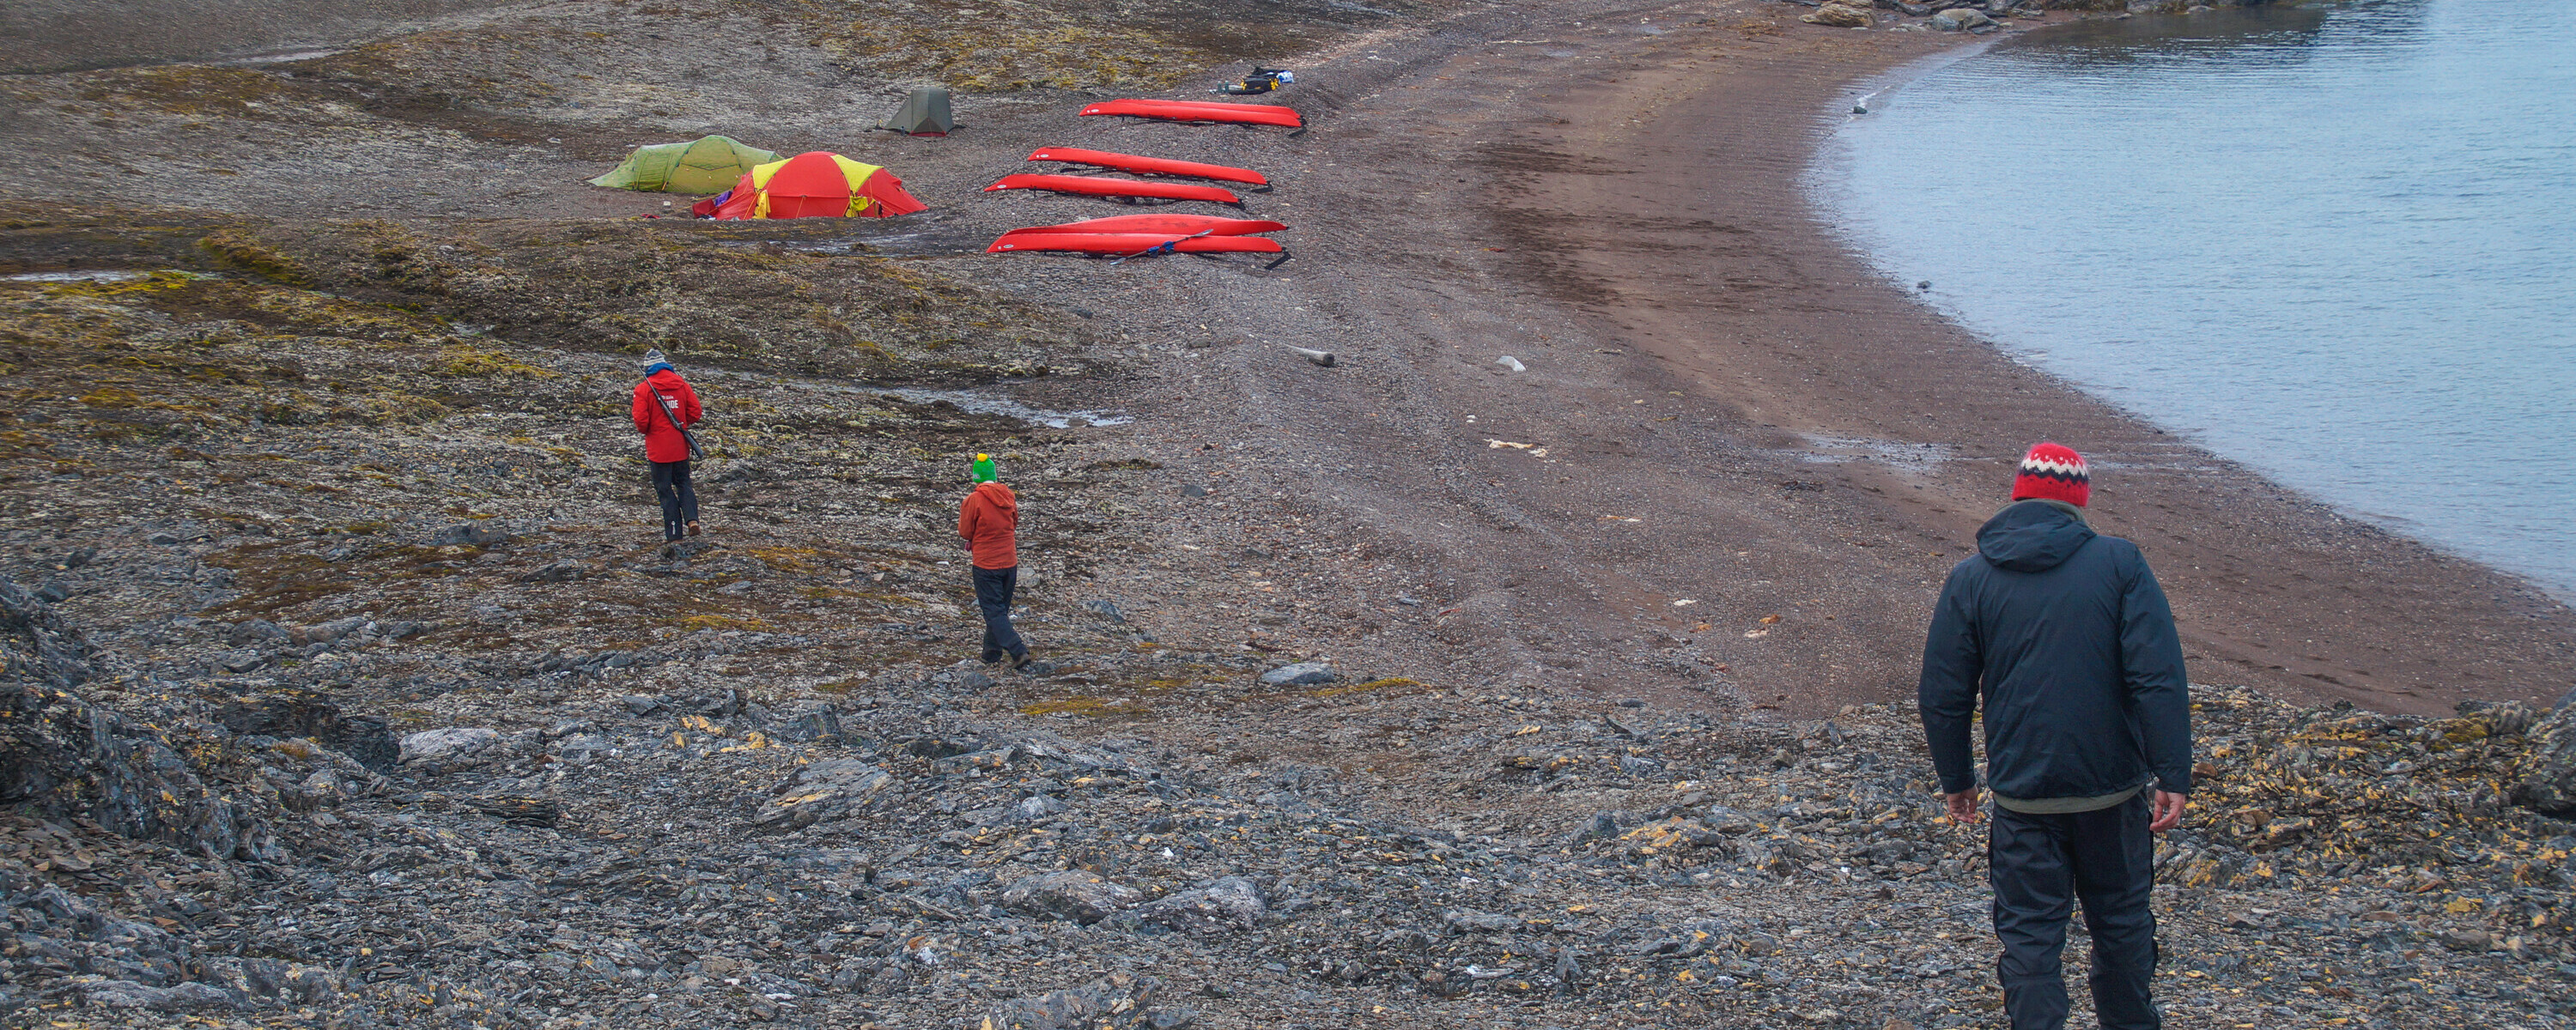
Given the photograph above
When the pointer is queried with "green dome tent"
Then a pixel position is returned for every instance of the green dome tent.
(709, 164)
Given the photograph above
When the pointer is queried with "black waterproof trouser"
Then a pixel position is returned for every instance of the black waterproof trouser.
(993, 595)
(2040, 865)
(679, 499)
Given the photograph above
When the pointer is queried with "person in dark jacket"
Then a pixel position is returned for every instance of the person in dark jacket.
(664, 404)
(990, 522)
(2066, 640)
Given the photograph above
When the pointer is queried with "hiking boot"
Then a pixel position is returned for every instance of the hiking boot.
(693, 527)
(1020, 661)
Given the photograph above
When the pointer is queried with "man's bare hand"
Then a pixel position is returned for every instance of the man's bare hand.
(1963, 806)
(2168, 811)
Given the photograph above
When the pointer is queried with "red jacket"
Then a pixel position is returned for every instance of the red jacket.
(990, 520)
(661, 442)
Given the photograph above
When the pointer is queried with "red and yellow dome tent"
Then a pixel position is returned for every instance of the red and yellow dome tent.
(819, 184)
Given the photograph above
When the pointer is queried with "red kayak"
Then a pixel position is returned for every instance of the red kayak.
(1133, 243)
(1177, 225)
(1199, 111)
(1094, 186)
(1149, 165)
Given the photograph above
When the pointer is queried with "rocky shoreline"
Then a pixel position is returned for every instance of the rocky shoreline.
(903, 854)
(346, 686)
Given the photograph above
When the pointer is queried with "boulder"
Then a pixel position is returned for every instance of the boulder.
(471, 534)
(1839, 16)
(185, 997)
(1120, 1002)
(455, 747)
(2547, 782)
(305, 713)
(1073, 894)
(830, 789)
(63, 758)
(1300, 674)
(1232, 903)
(328, 632)
(1960, 19)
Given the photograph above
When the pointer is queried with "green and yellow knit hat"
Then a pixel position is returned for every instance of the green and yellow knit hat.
(984, 469)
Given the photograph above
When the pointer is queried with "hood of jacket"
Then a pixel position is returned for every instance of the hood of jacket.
(2032, 536)
(998, 496)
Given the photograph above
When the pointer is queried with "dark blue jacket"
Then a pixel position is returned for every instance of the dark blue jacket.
(2067, 640)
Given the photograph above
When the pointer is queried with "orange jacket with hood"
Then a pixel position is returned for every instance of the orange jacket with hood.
(989, 520)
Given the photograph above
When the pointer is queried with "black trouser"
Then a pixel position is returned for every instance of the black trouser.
(993, 595)
(2040, 865)
(679, 499)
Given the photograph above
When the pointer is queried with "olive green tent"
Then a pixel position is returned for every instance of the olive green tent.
(924, 113)
(709, 164)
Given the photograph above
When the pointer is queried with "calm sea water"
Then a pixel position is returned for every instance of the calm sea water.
(2335, 243)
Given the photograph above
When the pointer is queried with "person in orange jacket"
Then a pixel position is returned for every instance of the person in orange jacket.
(664, 406)
(990, 522)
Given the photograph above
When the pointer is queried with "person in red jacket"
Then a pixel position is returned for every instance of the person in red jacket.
(664, 404)
(990, 522)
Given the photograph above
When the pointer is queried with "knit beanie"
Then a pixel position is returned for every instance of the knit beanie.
(984, 469)
(654, 361)
(2053, 472)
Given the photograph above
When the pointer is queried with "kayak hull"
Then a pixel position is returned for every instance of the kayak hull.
(1096, 186)
(1132, 243)
(1149, 165)
(1199, 111)
(1175, 225)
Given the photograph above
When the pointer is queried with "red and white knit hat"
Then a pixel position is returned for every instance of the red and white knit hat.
(2053, 471)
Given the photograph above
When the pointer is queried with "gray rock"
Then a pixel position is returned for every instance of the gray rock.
(1071, 894)
(454, 746)
(1107, 609)
(829, 789)
(62, 758)
(185, 997)
(1695, 937)
(1605, 825)
(1960, 19)
(310, 714)
(1035, 807)
(556, 572)
(1232, 903)
(327, 632)
(2548, 783)
(1300, 674)
(471, 534)
(1839, 15)
(582, 748)
(253, 631)
(1118, 1003)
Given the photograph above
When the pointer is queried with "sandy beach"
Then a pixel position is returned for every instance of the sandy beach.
(1741, 419)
